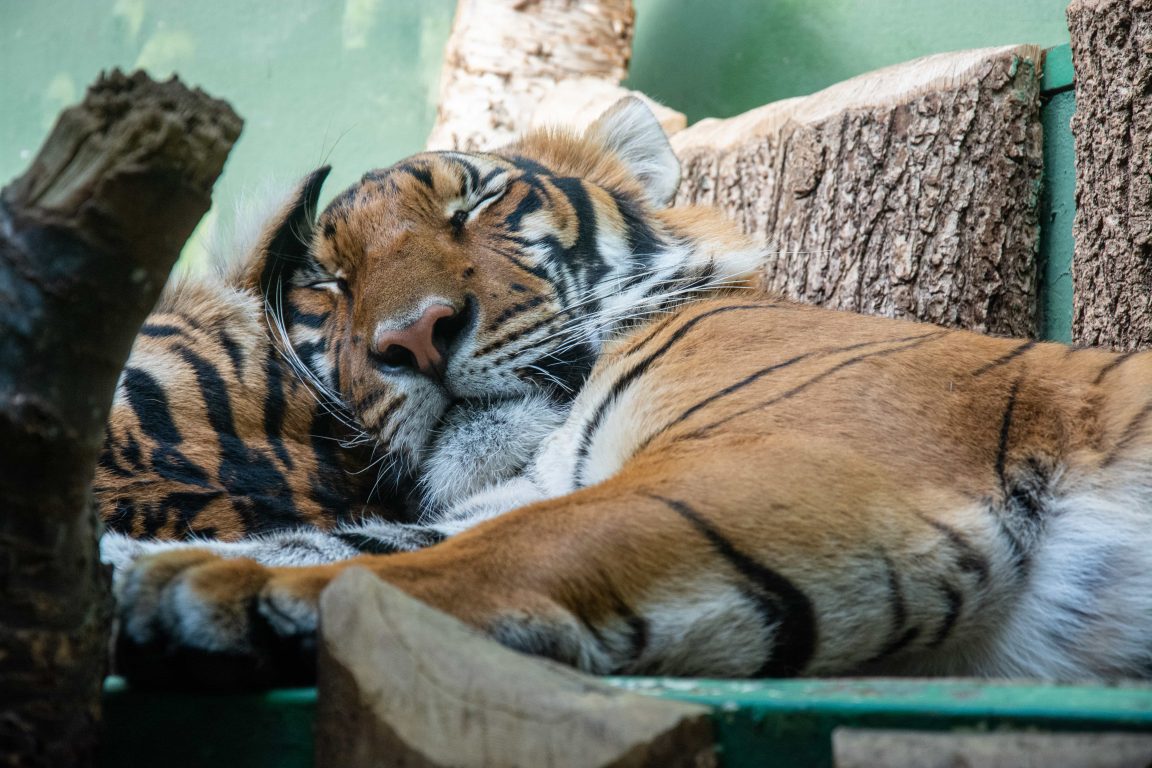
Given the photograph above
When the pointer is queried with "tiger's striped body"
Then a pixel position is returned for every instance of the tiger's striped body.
(213, 433)
(742, 486)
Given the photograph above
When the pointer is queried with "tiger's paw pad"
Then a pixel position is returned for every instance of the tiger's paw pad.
(191, 619)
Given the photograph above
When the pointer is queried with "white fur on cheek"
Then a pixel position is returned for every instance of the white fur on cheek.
(481, 445)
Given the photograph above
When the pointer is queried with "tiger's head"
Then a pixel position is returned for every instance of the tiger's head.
(456, 277)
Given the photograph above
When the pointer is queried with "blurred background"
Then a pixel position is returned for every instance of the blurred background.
(354, 82)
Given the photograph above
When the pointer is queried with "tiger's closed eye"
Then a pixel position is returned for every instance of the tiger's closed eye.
(462, 216)
(333, 284)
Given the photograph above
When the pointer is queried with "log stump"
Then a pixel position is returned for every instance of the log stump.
(87, 237)
(1112, 128)
(908, 192)
(504, 56)
(402, 684)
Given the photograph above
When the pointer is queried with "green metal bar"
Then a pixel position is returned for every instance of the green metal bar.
(1057, 74)
(1057, 197)
(790, 722)
(758, 723)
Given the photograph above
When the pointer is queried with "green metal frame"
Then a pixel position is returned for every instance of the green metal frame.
(759, 723)
(1057, 197)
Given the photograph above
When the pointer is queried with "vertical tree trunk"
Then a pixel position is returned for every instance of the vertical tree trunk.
(1112, 127)
(505, 56)
(908, 192)
(87, 237)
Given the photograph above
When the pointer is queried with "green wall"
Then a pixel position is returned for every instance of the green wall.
(353, 82)
(717, 58)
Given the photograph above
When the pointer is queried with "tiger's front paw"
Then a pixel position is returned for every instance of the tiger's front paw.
(191, 619)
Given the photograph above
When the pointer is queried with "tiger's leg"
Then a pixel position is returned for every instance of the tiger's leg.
(689, 567)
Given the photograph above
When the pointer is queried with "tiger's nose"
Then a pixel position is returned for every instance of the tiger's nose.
(420, 346)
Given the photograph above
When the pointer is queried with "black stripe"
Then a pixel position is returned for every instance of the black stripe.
(530, 167)
(634, 373)
(149, 403)
(419, 171)
(472, 175)
(1003, 360)
(160, 330)
(916, 341)
(274, 410)
(259, 492)
(233, 351)
(783, 605)
(516, 309)
(898, 635)
(309, 319)
(1116, 362)
(382, 419)
(512, 336)
(754, 377)
(1131, 432)
(967, 556)
(375, 545)
(955, 601)
(1005, 433)
(583, 257)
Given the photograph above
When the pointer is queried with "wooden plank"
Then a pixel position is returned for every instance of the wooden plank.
(1112, 267)
(404, 685)
(908, 192)
(865, 748)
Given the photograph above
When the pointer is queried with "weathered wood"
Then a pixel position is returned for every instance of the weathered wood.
(866, 747)
(401, 684)
(908, 192)
(1112, 128)
(504, 56)
(87, 236)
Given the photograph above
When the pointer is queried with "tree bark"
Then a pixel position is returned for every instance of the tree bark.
(1112, 128)
(907, 192)
(87, 236)
(505, 56)
(402, 684)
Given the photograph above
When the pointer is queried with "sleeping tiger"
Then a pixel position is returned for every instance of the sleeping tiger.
(741, 486)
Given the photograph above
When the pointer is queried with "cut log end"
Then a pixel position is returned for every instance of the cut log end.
(131, 143)
(908, 192)
(403, 684)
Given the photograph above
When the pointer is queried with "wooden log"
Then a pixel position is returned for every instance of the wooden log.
(1112, 129)
(87, 237)
(907, 192)
(504, 56)
(402, 684)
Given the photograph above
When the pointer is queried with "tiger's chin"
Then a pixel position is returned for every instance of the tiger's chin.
(480, 443)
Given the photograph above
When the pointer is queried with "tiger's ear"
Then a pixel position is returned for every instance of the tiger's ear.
(282, 245)
(632, 132)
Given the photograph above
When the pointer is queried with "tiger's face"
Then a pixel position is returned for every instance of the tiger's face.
(462, 277)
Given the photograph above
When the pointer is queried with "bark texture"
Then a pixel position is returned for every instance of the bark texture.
(87, 237)
(504, 56)
(907, 192)
(403, 684)
(1112, 128)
